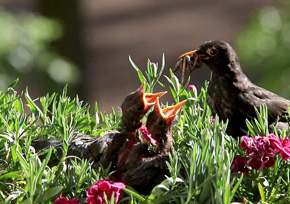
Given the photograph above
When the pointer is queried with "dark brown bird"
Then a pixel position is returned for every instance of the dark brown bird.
(134, 107)
(231, 95)
(146, 169)
(104, 150)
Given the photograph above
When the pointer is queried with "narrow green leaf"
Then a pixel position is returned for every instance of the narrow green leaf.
(14, 83)
(12, 174)
(236, 187)
(261, 191)
(140, 74)
(23, 162)
(134, 194)
(42, 167)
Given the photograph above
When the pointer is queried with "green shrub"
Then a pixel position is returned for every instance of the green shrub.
(200, 171)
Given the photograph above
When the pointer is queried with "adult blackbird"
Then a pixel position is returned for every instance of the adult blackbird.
(145, 168)
(231, 95)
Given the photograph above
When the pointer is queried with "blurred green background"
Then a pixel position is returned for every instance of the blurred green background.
(25, 52)
(86, 44)
(264, 48)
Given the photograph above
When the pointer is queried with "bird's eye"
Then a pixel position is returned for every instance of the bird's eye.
(161, 122)
(212, 52)
(140, 107)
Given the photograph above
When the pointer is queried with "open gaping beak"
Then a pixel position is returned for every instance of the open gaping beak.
(149, 99)
(169, 112)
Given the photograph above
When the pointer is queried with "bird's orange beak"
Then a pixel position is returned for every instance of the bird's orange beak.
(190, 53)
(169, 112)
(193, 53)
(149, 99)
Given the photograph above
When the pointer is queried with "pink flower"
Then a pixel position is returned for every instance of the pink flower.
(191, 86)
(63, 200)
(211, 121)
(281, 145)
(239, 165)
(147, 135)
(260, 150)
(96, 192)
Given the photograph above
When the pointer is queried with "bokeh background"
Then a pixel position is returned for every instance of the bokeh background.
(86, 44)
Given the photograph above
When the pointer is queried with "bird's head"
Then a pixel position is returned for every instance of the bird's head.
(217, 55)
(136, 105)
(160, 121)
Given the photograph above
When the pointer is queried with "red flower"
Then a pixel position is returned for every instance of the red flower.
(239, 165)
(96, 192)
(260, 150)
(63, 200)
(281, 145)
(147, 135)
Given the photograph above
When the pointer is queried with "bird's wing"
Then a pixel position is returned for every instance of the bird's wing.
(256, 96)
(136, 175)
(147, 175)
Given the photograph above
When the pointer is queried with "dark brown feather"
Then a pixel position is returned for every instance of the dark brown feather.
(231, 95)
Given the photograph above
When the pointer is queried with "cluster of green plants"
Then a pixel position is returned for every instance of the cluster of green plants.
(200, 170)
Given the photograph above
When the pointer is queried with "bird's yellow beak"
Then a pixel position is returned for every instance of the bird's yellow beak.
(169, 112)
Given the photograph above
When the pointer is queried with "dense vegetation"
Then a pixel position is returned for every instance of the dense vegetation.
(200, 171)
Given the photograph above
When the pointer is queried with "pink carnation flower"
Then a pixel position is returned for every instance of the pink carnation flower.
(260, 150)
(282, 145)
(96, 192)
(239, 165)
(147, 135)
(63, 200)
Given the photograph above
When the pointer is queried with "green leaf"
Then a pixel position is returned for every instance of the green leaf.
(50, 193)
(32, 105)
(12, 174)
(134, 194)
(236, 187)
(42, 167)
(23, 162)
(14, 83)
(140, 74)
(261, 191)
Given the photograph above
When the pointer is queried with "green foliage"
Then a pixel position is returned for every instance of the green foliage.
(25, 51)
(200, 170)
(264, 47)
(28, 177)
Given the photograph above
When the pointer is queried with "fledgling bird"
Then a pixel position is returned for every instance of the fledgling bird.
(231, 95)
(104, 150)
(147, 169)
(134, 107)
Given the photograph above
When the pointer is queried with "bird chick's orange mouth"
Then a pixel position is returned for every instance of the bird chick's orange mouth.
(169, 112)
(149, 99)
